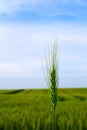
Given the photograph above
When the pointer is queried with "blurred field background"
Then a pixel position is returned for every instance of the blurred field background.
(31, 109)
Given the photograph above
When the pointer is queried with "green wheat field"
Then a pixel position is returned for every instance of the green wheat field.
(31, 109)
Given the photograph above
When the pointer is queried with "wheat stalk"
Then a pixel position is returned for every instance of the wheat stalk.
(52, 80)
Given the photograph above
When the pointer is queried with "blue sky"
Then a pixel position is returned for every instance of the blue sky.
(26, 29)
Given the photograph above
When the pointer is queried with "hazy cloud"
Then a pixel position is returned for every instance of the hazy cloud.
(50, 7)
(22, 47)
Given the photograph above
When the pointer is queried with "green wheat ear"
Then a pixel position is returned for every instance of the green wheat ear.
(52, 80)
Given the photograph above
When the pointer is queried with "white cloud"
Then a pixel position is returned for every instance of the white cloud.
(10, 6)
(22, 49)
(50, 7)
(18, 70)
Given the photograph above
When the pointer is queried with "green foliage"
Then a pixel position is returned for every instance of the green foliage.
(30, 110)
